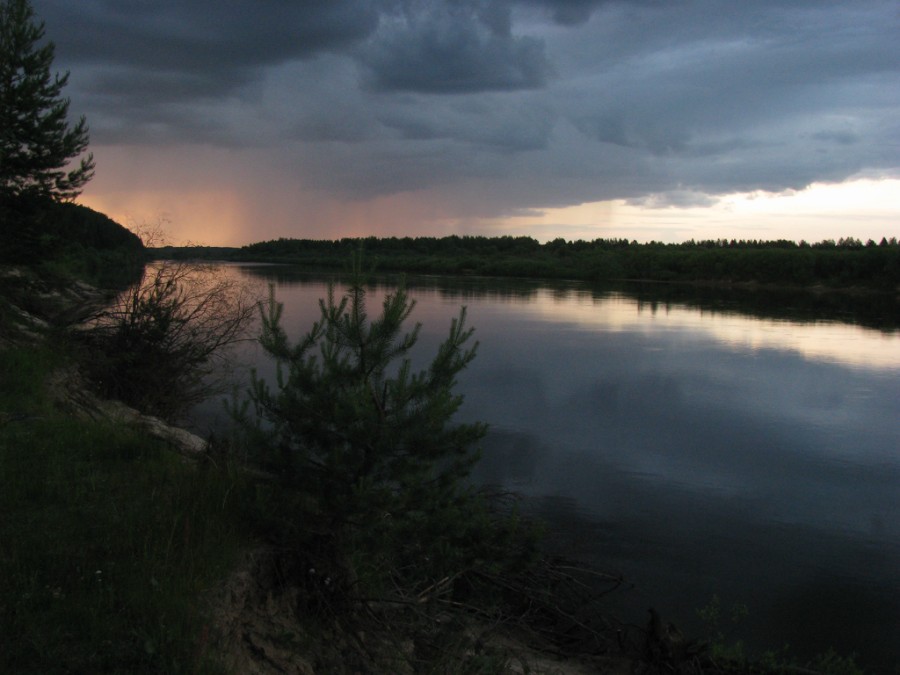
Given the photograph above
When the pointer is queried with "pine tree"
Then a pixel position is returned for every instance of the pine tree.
(368, 443)
(350, 418)
(36, 141)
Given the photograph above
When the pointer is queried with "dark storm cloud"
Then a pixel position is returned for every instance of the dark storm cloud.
(453, 48)
(498, 122)
(673, 98)
(575, 12)
(743, 96)
(503, 104)
(141, 57)
(203, 34)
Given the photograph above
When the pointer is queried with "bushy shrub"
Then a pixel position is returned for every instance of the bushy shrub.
(158, 344)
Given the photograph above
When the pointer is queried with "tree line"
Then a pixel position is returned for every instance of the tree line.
(847, 262)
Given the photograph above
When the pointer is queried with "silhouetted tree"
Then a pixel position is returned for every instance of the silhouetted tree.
(36, 141)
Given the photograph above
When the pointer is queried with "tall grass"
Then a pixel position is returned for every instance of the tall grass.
(108, 541)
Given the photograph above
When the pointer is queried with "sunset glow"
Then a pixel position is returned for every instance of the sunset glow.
(863, 209)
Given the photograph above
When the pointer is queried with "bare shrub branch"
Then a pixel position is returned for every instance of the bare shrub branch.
(159, 344)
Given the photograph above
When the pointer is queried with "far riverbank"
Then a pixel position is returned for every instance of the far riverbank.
(847, 265)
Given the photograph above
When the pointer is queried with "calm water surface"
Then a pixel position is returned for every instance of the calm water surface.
(697, 452)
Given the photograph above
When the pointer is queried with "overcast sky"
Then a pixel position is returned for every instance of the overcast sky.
(239, 120)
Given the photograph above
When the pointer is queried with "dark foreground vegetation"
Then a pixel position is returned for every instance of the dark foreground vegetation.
(110, 542)
(847, 263)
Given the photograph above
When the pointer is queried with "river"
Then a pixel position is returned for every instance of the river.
(743, 446)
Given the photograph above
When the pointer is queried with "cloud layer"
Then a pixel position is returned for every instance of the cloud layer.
(486, 108)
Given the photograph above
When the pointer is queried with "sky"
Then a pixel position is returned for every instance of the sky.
(228, 122)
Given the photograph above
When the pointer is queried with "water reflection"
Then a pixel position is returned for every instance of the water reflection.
(705, 464)
(872, 310)
(696, 445)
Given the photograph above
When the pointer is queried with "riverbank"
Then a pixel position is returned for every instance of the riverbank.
(111, 540)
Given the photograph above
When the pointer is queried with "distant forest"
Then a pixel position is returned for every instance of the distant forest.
(846, 263)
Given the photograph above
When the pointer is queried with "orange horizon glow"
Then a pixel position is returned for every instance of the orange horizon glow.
(201, 203)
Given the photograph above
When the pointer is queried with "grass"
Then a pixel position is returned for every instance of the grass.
(107, 539)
